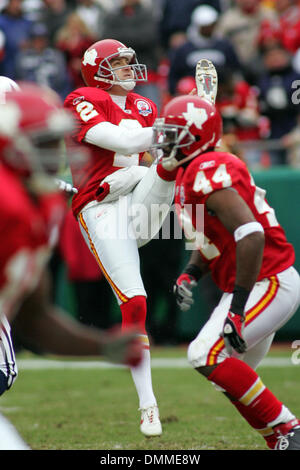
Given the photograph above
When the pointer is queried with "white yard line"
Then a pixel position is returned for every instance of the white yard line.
(157, 363)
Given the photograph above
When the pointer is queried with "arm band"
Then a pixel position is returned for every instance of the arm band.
(244, 230)
(121, 140)
(239, 300)
(194, 271)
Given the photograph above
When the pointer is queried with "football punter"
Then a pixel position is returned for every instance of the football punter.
(115, 124)
(246, 250)
(32, 123)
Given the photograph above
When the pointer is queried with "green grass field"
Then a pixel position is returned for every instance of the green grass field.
(88, 408)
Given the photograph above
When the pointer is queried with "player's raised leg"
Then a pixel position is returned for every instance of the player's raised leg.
(154, 196)
(206, 80)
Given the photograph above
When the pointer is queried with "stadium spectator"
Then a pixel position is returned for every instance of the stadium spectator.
(202, 42)
(135, 25)
(92, 13)
(33, 10)
(43, 64)
(238, 105)
(250, 259)
(175, 18)
(15, 31)
(73, 39)
(275, 87)
(30, 222)
(54, 16)
(241, 25)
(285, 28)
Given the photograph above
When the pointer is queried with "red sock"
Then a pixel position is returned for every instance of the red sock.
(244, 385)
(267, 433)
(134, 313)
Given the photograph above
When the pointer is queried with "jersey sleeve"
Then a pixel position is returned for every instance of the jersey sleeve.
(15, 236)
(211, 174)
(87, 108)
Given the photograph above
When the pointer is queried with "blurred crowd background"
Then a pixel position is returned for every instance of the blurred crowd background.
(255, 46)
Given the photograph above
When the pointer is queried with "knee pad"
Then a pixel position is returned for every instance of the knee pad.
(201, 353)
(3, 383)
(197, 353)
(134, 313)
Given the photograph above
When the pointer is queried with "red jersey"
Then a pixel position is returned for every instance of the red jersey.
(28, 230)
(90, 106)
(211, 172)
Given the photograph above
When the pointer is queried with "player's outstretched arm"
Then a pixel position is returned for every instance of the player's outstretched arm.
(239, 220)
(188, 279)
(49, 329)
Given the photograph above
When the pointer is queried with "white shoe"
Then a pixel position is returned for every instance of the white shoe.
(150, 422)
(206, 80)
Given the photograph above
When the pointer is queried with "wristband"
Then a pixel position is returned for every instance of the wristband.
(194, 271)
(239, 300)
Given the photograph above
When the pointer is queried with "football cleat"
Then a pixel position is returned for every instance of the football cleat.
(206, 80)
(150, 422)
(288, 435)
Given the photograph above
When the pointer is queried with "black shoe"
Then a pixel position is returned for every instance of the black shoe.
(288, 435)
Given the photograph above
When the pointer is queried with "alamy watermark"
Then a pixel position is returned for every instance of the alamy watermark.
(142, 222)
(296, 354)
(296, 93)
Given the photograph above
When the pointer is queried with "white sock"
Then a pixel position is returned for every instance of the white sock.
(284, 417)
(9, 437)
(143, 382)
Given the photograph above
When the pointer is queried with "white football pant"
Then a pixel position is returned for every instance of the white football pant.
(272, 302)
(114, 231)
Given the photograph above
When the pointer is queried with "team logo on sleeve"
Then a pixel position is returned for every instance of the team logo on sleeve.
(143, 107)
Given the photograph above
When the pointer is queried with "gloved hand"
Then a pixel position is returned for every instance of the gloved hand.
(122, 347)
(183, 291)
(64, 186)
(233, 333)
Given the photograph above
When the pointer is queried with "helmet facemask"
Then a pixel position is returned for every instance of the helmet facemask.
(173, 139)
(108, 74)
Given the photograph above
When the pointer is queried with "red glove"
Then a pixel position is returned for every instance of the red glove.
(183, 291)
(233, 333)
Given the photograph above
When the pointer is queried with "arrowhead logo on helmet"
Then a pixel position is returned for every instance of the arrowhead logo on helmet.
(90, 57)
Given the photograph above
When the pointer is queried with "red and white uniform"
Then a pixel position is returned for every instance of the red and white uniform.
(91, 106)
(109, 227)
(28, 230)
(214, 171)
(100, 221)
(276, 295)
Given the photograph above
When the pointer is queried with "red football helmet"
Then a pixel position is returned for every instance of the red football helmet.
(32, 124)
(188, 123)
(6, 85)
(96, 68)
